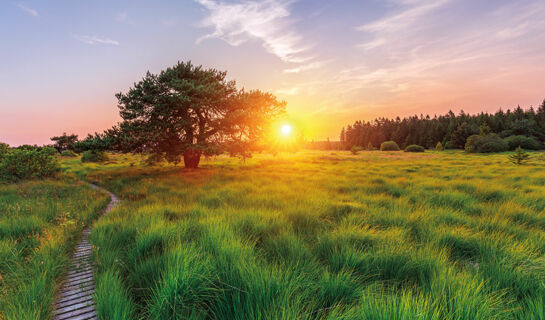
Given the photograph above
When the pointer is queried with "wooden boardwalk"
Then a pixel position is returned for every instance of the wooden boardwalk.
(75, 298)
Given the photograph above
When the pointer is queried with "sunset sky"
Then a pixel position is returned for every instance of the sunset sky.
(333, 61)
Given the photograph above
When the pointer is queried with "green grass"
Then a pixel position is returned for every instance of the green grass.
(311, 235)
(321, 235)
(39, 221)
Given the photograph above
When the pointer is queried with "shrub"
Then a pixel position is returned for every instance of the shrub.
(49, 150)
(524, 142)
(94, 156)
(485, 144)
(21, 164)
(355, 149)
(439, 146)
(519, 157)
(69, 153)
(414, 148)
(389, 146)
(4, 148)
(370, 147)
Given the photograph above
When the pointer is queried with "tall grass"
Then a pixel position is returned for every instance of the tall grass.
(39, 222)
(317, 235)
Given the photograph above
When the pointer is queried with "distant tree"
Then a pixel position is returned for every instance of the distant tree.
(343, 139)
(519, 157)
(97, 142)
(328, 144)
(462, 132)
(186, 111)
(65, 141)
(450, 129)
(484, 129)
(439, 146)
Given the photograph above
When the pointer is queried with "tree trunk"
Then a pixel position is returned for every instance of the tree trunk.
(192, 159)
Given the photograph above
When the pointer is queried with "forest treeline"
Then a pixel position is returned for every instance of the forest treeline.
(450, 129)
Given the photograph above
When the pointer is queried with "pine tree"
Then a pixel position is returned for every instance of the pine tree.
(519, 157)
(343, 139)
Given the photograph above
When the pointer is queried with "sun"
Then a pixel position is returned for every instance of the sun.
(286, 130)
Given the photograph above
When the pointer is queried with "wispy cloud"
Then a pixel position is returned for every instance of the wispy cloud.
(308, 66)
(28, 10)
(123, 17)
(94, 39)
(263, 20)
(403, 20)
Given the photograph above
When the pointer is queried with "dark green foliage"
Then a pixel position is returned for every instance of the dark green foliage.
(4, 148)
(354, 150)
(519, 157)
(69, 153)
(49, 151)
(451, 129)
(98, 142)
(20, 164)
(370, 147)
(94, 156)
(65, 142)
(389, 146)
(439, 146)
(529, 143)
(485, 144)
(414, 148)
(462, 133)
(28, 147)
(186, 111)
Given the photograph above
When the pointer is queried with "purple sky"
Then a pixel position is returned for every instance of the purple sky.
(333, 61)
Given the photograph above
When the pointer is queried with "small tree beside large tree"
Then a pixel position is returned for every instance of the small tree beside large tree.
(187, 111)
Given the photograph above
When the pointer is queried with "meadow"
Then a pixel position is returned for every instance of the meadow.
(322, 235)
(39, 224)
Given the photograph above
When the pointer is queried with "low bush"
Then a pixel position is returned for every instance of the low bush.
(19, 164)
(448, 145)
(439, 146)
(49, 150)
(529, 143)
(355, 149)
(94, 156)
(4, 148)
(485, 144)
(389, 146)
(414, 148)
(69, 153)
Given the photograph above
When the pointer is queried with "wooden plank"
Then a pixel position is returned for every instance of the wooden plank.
(75, 297)
(75, 313)
(74, 307)
(67, 303)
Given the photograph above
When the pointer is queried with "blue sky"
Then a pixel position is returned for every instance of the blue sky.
(333, 61)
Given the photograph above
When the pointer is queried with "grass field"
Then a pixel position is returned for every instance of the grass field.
(39, 221)
(321, 235)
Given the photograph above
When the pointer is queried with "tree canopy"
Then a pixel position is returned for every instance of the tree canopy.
(65, 141)
(450, 129)
(186, 111)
